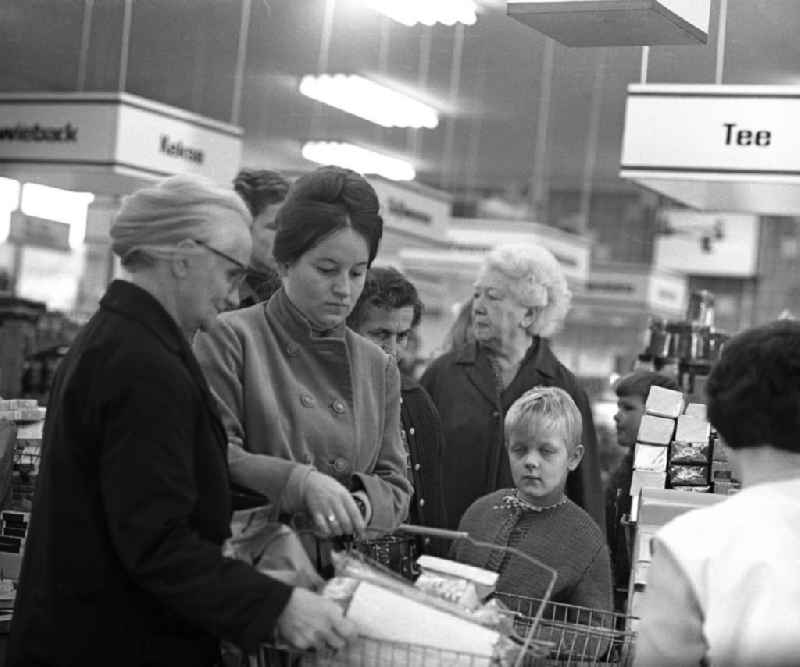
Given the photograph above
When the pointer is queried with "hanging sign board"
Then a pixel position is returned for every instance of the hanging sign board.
(642, 289)
(413, 209)
(708, 244)
(110, 142)
(29, 230)
(616, 22)
(727, 148)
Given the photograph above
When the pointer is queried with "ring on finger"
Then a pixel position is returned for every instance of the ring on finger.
(331, 518)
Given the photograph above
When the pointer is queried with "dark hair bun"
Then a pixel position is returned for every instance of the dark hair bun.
(332, 185)
(322, 202)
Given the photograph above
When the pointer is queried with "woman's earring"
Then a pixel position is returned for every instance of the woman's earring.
(528, 319)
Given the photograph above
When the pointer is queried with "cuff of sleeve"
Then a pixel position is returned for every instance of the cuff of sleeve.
(294, 491)
(383, 519)
(364, 498)
(264, 626)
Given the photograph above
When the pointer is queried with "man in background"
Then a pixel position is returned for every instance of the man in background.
(386, 313)
(263, 191)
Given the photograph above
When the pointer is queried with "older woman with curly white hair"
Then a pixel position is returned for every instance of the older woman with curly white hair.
(520, 299)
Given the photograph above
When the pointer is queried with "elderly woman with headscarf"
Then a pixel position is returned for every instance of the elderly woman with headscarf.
(520, 299)
(311, 408)
(123, 562)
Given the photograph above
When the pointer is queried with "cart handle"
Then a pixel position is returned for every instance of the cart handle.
(434, 532)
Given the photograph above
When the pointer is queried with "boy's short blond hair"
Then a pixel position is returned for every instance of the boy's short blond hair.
(552, 405)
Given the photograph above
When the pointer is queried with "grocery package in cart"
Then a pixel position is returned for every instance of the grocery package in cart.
(446, 620)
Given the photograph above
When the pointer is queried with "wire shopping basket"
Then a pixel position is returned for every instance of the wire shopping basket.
(578, 636)
(374, 652)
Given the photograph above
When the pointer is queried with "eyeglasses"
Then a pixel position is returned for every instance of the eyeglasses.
(243, 268)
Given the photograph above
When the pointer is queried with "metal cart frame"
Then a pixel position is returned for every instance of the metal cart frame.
(549, 633)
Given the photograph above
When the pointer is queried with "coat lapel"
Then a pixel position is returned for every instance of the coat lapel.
(537, 368)
(479, 372)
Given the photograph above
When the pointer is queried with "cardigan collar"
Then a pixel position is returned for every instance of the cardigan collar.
(297, 325)
(138, 304)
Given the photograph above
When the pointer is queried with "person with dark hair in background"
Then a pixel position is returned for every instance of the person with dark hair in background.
(632, 391)
(123, 562)
(263, 191)
(312, 409)
(387, 311)
(724, 582)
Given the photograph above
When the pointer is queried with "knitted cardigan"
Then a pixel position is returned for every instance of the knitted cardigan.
(564, 537)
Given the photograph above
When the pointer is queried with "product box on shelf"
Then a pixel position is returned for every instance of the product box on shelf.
(663, 402)
(655, 430)
(692, 429)
(697, 410)
(650, 457)
(696, 453)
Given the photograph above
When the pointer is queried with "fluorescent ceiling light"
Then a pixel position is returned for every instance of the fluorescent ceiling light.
(367, 99)
(427, 12)
(358, 159)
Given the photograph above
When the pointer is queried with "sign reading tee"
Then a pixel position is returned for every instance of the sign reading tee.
(746, 137)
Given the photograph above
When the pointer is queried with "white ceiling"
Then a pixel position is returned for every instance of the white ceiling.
(183, 52)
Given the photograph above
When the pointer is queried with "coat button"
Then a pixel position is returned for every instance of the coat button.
(421, 502)
(496, 414)
(340, 465)
(417, 466)
(411, 431)
(338, 407)
(307, 400)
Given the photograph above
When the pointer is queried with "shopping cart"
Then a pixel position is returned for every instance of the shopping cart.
(548, 634)
(372, 652)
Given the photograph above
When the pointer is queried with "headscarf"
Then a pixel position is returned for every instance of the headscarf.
(157, 218)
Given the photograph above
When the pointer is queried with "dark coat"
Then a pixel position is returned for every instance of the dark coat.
(463, 387)
(123, 563)
(422, 432)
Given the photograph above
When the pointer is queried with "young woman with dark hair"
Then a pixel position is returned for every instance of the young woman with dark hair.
(312, 410)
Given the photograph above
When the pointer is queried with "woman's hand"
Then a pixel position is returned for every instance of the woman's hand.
(332, 507)
(312, 621)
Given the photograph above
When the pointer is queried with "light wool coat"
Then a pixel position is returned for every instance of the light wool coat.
(330, 403)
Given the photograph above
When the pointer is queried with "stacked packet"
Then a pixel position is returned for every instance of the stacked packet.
(690, 451)
(656, 430)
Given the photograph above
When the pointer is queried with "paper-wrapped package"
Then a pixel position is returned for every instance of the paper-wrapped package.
(650, 457)
(383, 614)
(457, 582)
(692, 429)
(655, 430)
(664, 402)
